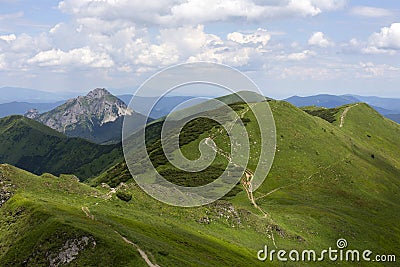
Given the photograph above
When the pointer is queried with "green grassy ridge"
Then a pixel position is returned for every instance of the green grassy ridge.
(331, 188)
(332, 185)
(50, 214)
(7, 123)
(327, 114)
(43, 214)
(37, 148)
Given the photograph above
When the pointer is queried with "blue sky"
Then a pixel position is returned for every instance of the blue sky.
(288, 47)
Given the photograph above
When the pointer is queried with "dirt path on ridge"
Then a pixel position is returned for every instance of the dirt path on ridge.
(343, 116)
(141, 252)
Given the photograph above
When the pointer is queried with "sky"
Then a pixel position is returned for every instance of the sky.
(288, 47)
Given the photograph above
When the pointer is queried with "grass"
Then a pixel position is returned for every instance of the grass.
(324, 185)
(50, 209)
(32, 146)
(324, 113)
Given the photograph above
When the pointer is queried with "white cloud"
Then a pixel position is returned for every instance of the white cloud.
(295, 56)
(76, 57)
(369, 69)
(371, 12)
(319, 39)
(232, 56)
(157, 55)
(353, 46)
(189, 39)
(8, 38)
(301, 55)
(261, 36)
(178, 12)
(354, 42)
(16, 49)
(301, 73)
(27, 44)
(221, 10)
(385, 41)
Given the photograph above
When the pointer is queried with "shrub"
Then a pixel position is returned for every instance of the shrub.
(326, 114)
(124, 196)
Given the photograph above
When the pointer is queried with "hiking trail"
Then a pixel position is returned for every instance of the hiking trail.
(343, 116)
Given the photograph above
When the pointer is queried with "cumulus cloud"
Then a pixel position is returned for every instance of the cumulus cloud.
(302, 73)
(227, 55)
(295, 56)
(157, 55)
(301, 55)
(8, 38)
(385, 41)
(353, 46)
(93, 42)
(261, 36)
(189, 39)
(76, 57)
(319, 39)
(178, 12)
(192, 43)
(371, 12)
(16, 49)
(369, 69)
(114, 34)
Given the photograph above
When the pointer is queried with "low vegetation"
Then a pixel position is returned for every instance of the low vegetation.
(324, 185)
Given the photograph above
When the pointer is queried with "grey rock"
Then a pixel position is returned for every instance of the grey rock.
(32, 114)
(6, 190)
(70, 251)
(96, 116)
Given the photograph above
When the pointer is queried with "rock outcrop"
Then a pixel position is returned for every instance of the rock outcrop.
(97, 116)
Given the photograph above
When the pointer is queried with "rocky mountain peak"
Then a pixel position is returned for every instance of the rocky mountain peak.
(84, 115)
(98, 93)
(32, 114)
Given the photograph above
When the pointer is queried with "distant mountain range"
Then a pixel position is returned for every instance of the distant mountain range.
(140, 104)
(20, 108)
(98, 116)
(389, 107)
(163, 106)
(12, 94)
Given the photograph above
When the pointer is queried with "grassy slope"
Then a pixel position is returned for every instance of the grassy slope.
(37, 148)
(45, 212)
(330, 188)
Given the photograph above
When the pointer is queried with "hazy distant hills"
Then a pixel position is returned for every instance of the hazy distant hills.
(322, 100)
(163, 106)
(18, 100)
(12, 94)
(389, 107)
(140, 104)
(394, 117)
(20, 108)
(392, 104)
(97, 116)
